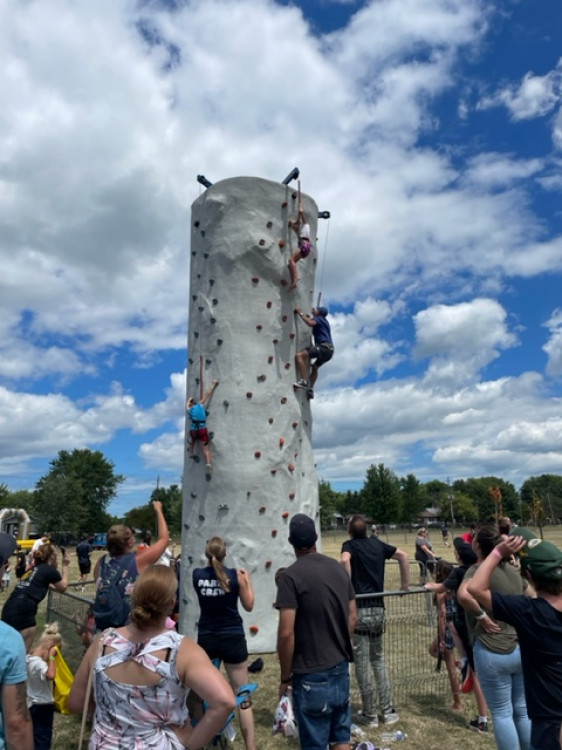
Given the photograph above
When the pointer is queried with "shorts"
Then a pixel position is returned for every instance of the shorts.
(200, 434)
(545, 735)
(304, 247)
(322, 708)
(20, 612)
(321, 354)
(84, 566)
(231, 649)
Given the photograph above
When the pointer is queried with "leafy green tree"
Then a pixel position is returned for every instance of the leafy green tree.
(478, 490)
(328, 502)
(172, 500)
(464, 508)
(548, 487)
(21, 499)
(4, 496)
(414, 498)
(381, 494)
(57, 505)
(437, 493)
(93, 479)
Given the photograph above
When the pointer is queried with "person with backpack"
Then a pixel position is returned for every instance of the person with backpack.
(197, 414)
(117, 571)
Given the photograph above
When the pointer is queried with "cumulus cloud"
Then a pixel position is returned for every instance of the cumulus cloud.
(553, 346)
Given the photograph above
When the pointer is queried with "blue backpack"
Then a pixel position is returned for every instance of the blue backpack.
(111, 608)
(198, 414)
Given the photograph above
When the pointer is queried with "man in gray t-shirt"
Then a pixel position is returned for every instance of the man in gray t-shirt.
(317, 615)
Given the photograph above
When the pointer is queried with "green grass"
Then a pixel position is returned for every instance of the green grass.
(425, 717)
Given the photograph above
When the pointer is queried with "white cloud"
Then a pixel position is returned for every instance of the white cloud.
(553, 346)
(535, 96)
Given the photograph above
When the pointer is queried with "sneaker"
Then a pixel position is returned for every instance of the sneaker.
(478, 726)
(301, 383)
(209, 469)
(391, 717)
(371, 722)
(468, 684)
(310, 393)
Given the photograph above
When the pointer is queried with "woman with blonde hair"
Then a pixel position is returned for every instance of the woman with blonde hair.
(221, 630)
(142, 673)
(41, 672)
(22, 604)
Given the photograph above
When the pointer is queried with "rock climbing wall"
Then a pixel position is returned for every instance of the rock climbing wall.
(243, 333)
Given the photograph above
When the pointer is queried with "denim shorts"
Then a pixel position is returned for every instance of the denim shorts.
(322, 709)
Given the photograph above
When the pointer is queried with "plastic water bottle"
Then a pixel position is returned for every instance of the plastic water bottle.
(397, 736)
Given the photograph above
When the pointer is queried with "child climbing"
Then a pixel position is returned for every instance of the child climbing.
(302, 229)
(322, 351)
(198, 425)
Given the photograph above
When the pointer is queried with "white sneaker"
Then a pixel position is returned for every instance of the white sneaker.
(391, 717)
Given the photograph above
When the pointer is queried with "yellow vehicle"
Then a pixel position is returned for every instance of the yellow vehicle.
(26, 544)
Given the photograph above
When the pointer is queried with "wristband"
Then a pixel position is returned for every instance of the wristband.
(52, 658)
(497, 553)
(482, 615)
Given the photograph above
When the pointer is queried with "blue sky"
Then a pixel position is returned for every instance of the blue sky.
(432, 131)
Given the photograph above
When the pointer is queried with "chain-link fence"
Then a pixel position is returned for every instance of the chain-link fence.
(72, 610)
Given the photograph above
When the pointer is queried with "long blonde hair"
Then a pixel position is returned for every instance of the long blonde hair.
(215, 552)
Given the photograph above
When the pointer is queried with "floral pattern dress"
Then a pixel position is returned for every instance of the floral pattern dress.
(138, 717)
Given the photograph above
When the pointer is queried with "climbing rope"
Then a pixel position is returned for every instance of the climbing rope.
(323, 264)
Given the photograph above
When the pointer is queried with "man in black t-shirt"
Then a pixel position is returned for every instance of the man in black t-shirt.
(364, 560)
(83, 551)
(538, 623)
(317, 615)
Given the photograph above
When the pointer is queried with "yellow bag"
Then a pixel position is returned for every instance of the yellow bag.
(62, 683)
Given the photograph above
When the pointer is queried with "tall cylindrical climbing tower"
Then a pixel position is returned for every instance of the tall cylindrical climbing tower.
(244, 334)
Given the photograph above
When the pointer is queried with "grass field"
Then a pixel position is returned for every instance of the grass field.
(426, 719)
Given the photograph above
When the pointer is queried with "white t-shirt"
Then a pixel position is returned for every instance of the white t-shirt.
(39, 688)
(304, 232)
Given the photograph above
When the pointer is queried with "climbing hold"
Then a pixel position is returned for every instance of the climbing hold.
(195, 458)
(196, 334)
(205, 255)
(223, 506)
(281, 243)
(219, 342)
(281, 442)
(292, 496)
(291, 335)
(213, 321)
(268, 563)
(215, 302)
(253, 629)
(270, 420)
(284, 204)
(274, 533)
(262, 509)
(225, 404)
(284, 400)
(196, 223)
(285, 514)
(208, 361)
(197, 381)
(262, 242)
(194, 252)
(275, 341)
(248, 493)
(291, 467)
(201, 517)
(201, 308)
(269, 360)
(198, 275)
(283, 282)
(261, 378)
(194, 495)
(257, 454)
(269, 224)
(287, 365)
(249, 394)
(190, 361)
(284, 318)
(202, 235)
(273, 472)
(194, 297)
(295, 425)
(186, 526)
(269, 303)
(255, 279)
(259, 327)
(211, 282)
(190, 558)
(184, 600)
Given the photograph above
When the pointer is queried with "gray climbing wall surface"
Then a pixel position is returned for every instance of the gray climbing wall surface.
(243, 333)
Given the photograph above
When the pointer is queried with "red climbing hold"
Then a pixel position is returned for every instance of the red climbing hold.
(292, 496)
(284, 204)
(268, 563)
(295, 425)
(262, 509)
(262, 242)
(284, 400)
(269, 360)
(270, 420)
(269, 303)
(274, 533)
(291, 467)
(285, 514)
(259, 327)
(291, 335)
(255, 279)
(283, 282)
(288, 365)
(284, 318)
(249, 394)
(254, 629)
(281, 243)
(281, 442)
(257, 454)
(273, 472)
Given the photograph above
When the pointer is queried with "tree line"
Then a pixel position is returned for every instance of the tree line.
(74, 496)
(387, 498)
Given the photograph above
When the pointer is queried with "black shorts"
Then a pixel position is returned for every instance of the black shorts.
(231, 649)
(20, 612)
(320, 354)
(85, 566)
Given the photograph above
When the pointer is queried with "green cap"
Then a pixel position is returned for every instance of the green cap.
(527, 534)
(542, 559)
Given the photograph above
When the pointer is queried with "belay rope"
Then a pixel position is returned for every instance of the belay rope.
(323, 264)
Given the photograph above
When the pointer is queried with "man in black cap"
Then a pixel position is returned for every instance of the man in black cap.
(317, 616)
(538, 622)
(16, 729)
(322, 351)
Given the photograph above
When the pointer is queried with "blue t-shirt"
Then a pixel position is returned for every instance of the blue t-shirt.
(321, 331)
(219, 608)
(13, 668)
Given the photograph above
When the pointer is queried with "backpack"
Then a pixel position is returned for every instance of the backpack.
(198, 414)
(111, 609)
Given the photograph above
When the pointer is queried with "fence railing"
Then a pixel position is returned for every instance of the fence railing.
(410, 627)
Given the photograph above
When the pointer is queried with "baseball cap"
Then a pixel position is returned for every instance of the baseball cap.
(527, 534)
(322, 311)
(302, 533)
(542, 559)
(7, 547)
